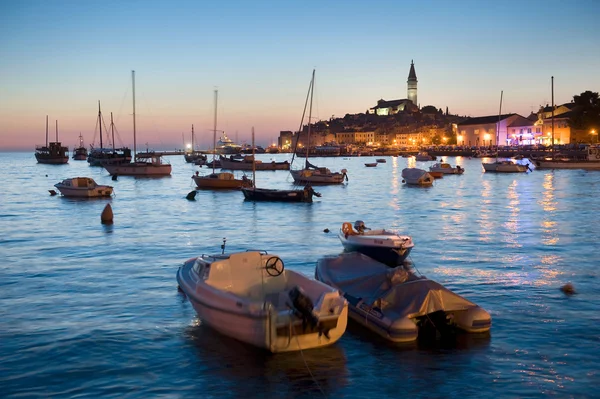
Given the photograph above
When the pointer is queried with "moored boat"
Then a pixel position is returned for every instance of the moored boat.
(504, 166)
(251, 297)
(80, 153)
(589, 160)
(83, 187)
(245, 163)
(397, 304)
(52, 153)
(386, 246)
(446, 168)
(416, 177)
(371, 164)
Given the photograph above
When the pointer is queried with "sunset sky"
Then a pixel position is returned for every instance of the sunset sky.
(59, 58)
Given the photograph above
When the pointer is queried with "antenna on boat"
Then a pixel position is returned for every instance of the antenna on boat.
(46, 131)
(223, 245)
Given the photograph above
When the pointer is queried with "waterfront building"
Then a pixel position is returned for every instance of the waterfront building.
(481, 131)
(355, 137)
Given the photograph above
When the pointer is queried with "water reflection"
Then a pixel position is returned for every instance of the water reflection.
(485, 212)
(549, 204)
(241, 369)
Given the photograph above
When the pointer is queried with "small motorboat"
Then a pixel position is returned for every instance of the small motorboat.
(436, 175)
(504, 166)
(383, 245)
(371, 164)
(397, 304)
(424, 156)
(83, 187)
(416, 177)
(381, 160)
(251, 297)
(446, 168)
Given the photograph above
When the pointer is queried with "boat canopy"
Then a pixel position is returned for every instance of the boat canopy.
(396, 289)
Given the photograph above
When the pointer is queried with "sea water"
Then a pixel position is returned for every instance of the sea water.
(92, 310)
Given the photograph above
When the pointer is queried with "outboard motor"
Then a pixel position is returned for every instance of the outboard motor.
(303, 306)
(359, 226)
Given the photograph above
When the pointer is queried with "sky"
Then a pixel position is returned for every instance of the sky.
(59, 58)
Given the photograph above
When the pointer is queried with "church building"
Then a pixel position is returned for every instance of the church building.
(410, 104)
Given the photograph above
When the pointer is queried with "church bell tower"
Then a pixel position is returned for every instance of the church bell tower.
(412, 84)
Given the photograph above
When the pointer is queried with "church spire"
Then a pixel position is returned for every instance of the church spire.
(412, 84)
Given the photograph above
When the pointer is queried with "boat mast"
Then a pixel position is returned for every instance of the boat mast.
(303, 114)
(552, 86)
(215, 133)
(192, 138)
(498, 126)
(57, 130)
(112, 129)
(133, 86)
(100, 123)
(310, 115)
(253, 162)
(46, 131)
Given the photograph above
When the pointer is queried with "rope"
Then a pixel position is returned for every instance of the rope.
(307, 368)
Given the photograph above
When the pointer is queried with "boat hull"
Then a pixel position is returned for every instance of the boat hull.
(258, 322)
(385, 247)
(138, 169)
(557, 164)
(309, 176)
(52, 160)
(247, 165)
(263, 194)
(213, 181)
(504, 167)
(83, 187)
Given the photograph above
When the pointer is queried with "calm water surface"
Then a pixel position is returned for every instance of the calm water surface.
(88, 310)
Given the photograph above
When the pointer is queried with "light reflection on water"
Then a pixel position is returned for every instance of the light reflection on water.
(93, 310)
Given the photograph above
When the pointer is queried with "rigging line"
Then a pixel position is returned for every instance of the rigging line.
(310, 87)
(308, 368)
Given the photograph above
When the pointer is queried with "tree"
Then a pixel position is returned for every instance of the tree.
(586, 113)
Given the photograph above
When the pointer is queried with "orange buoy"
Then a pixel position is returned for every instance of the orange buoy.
(107, 215)
(568, 289)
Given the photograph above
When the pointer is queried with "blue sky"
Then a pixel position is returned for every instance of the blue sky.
(59, 58)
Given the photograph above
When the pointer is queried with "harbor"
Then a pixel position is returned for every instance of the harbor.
(93, 309)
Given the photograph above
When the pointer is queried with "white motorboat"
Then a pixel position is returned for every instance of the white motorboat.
(416, 177)
(386, 246)
(504, 166)
(397, 304)
(83, 187)
(446, 168)
(251, 297)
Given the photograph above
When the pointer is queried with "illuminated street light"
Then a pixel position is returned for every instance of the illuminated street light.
(594, 133)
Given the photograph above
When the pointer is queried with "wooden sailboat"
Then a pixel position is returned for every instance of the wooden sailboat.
(312, 174)
(504, 166)
(52, 153)
(221, 180)
(80, 153)
(101, 156)
(147, 166)
(266, 194)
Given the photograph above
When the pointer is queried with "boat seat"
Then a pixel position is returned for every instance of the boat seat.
(348, 230)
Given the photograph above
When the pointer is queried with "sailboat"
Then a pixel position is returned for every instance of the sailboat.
(80, 153)
(504, 166)
(221, 180)
(147, 166)
(52, 153)
(194, 156)
(101, 156)
(312, 174)
(266, 194)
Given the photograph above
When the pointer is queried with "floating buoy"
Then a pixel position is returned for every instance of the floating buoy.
(326, 231)
(107, 215)
(114, 177)
(568, 289)
(191, 195)
(52, 192)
